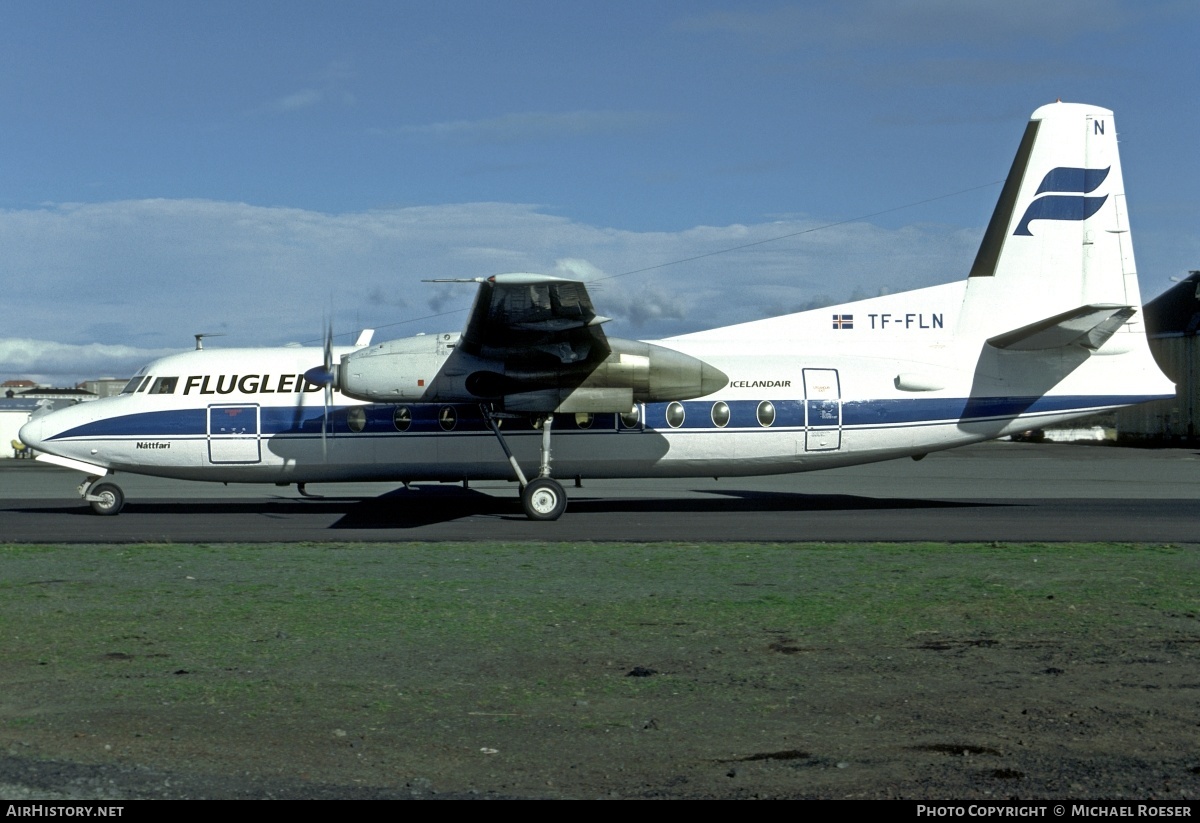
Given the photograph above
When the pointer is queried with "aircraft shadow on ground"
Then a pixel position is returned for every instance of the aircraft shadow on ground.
(429, 505)
(398, 513)
(414, 508)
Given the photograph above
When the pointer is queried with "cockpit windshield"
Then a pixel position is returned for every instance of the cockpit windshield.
(137, 380)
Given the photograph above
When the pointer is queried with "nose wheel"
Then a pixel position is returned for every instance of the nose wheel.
(104, 498)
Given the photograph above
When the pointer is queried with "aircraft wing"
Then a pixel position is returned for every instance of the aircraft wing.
(532, 343)
(530, 318)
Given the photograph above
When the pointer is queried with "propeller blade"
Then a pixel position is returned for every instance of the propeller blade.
(325, 375)
(328, 393)
(325, 423)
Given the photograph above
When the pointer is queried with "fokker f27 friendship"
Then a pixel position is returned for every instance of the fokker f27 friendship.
(1045, 328)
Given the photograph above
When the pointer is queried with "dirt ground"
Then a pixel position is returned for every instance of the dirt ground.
(930, 672)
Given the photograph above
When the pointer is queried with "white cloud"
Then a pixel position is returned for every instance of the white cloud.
(576, 269)
(49, 361)
(115, 284)
(328, 88)
(303, 99)
(645, 305)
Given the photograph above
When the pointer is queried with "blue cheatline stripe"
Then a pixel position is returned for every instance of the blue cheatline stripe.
(172, 423)
(743, 415)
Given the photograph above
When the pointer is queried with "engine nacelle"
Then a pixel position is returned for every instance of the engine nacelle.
(395, 370)
(429, 368)
(632, 372)
(570, 401)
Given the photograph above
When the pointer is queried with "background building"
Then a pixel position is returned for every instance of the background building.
(14, 411)
(21, 398)
(1172, 323)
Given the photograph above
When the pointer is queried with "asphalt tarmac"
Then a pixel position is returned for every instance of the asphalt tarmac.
(991, 492)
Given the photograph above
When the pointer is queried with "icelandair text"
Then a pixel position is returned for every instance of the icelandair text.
(759, 384)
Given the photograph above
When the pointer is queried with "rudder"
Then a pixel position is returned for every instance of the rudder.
(1059, 238)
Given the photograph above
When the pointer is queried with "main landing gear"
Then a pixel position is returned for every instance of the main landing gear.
(105, 498)
(543, 498)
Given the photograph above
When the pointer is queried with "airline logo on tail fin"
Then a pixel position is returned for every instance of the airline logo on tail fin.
(1065, 206)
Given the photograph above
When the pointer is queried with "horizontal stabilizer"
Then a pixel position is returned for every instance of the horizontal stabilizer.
(1087, 326)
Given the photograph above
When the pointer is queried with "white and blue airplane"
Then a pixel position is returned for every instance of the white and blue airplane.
(1045, 328)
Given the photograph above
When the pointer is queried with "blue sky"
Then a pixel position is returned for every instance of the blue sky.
(250, 168)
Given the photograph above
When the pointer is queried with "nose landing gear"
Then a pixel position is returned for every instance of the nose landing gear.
(105, 498)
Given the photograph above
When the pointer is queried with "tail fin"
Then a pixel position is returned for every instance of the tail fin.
(1057, 248)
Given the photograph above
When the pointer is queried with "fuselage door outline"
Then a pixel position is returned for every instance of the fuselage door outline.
(822, 410)
(233, 433)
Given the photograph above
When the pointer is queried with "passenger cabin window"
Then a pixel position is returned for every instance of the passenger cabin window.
(720, 414)
(675, 415)
(766, 413)
(402, 418)
(164, 385)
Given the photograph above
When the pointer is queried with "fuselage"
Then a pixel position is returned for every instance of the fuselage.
(869, 381)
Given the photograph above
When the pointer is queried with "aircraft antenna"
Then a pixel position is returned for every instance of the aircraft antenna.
(200, 338)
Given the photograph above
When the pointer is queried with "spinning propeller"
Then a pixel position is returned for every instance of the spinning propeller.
(325, 375)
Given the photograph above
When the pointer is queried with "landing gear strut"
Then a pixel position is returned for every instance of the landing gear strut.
(543, 498)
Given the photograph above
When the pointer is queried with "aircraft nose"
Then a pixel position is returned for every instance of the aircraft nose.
(31, 433)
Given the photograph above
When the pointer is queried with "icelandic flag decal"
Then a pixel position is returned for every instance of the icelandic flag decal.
(843, 321)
